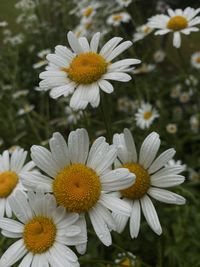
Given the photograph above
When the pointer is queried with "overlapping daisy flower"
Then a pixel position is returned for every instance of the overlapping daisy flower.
(152, 177)
(44, 231)
(177, 21)
(81, 180)
(83, 71)
(12, 167)
(145, 115)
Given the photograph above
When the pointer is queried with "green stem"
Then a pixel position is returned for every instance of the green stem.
(106, 118)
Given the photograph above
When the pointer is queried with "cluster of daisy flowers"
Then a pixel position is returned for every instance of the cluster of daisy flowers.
(75, 181)
(53, 196)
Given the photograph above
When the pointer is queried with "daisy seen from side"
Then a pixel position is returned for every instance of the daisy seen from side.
(152, 177)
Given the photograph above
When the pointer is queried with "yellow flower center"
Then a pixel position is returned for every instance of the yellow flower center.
(147, 115)
(88, 12)
(39, 234)
(77, 188)
(8, 181)
(125, 263)
(117, 17)
(86, 68)
(146, 29)
(142, 181)
(198, 59)
(177, 23)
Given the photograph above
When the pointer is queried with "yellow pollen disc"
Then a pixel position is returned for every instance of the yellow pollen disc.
(198, 59)
(77, 188)
(147, 115)
(39, 234)
(125, 263)
(8, 181)
(86, 68)
(177, 23)
(142, 182)
(88, 12)
(117, 17)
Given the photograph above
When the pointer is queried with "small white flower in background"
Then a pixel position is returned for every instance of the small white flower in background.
(81, 180)
(152, 177)
(191, 81)
(118, 18)
(89, 12)
(125, 104)
(84, 71)
(14, 40)
(6, 87)
(176, 91)
(20, 93)
(171, 128)
(159, 56)
(194, 175)
(124, 3)
(12, 167)
(144, 68)
(145, 115)
(195, 60)
(26, 109)
(184, 97)
(125, 259)
(42, 55)
(73, 116)
(177, 21)
(3, 24)
(44, 232)
(194, 123)
(141, 32)
(176, 163)
(162, 6)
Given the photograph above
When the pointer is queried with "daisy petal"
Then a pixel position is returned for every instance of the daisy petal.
(149, 149)
(14, 253)
(100, 227)
(135, 219)
(151, 215)
(106, 86)
(166, 196)
(161, 160)
(95, 42)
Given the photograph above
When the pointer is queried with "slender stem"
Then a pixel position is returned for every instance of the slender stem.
(106, 118)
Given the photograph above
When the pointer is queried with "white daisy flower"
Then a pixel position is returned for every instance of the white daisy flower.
(145, 115)
(194, 123)
(118, 18)
(144, 68)
(84, 71)
(73, 116)
(124, 3)
(12, 167)
(81, 179)
(152, 177)
(141, 32)
(177, 21)
(195, 60)
(171, 128)
(26, 109)
(44, 231)
(159, 56)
